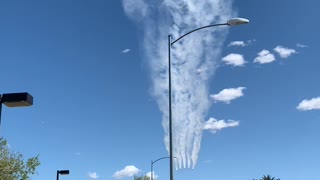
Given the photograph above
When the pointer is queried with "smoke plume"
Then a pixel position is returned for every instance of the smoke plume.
(194, 60)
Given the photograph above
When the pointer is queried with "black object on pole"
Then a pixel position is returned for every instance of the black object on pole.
(15, 100)
(62, 172)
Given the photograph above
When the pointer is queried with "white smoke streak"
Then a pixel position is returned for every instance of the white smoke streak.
(194, 60)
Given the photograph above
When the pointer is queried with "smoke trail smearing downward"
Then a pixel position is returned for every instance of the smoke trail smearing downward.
(193, 62)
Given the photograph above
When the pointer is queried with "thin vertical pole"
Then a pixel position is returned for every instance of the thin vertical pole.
(58, 175)
(151, 170)
(170, 109)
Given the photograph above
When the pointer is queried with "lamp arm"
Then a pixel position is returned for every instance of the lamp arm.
(223, 24)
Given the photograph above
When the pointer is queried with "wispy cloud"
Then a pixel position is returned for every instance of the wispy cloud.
(215, 125)
(128, 171)
(264, 57)
(93, 175)
(301, 45)
(126, 51)
(240, 43)
(136, 9)
(191, 67)
(154, 176)
(228, 95)
(237, 43)
(284, 52)
(307, 105)
(234, 59)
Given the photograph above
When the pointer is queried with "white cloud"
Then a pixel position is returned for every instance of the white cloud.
(191, 67)
(128, 171)
(301, 45)
(228, 95)
(93, 175)
(237, 43)
(154, 176)
(215, 125)
(284, 52)
(307, 105)
(126, 51)
(241, 43)
(135, 9)
(264, 57)
(234, 59)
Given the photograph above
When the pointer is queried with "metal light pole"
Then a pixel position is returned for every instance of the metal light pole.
(230, 22)
(15, 100)
(62, 172)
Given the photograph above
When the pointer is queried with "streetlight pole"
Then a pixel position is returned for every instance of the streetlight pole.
(230, 22)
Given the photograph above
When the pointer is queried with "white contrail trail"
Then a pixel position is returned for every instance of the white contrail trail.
(194, 60)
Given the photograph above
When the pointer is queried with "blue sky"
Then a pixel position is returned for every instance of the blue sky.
(97, 72)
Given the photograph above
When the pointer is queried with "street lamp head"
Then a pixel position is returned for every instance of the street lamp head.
(237, 21)
(17, 99)
(63, 172)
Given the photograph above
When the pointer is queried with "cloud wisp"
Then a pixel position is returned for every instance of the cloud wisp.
(311, 104)
(128, 171)
(93, 175)
(237, 43)
(240, 43)
(125, 51)
(284, 52)
(215, 125)
(301, 45)
(227, 95)
(194, 60)
(234, 59)
(264, 57)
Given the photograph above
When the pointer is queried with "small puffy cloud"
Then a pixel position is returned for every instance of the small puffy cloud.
(154, 176)
(264, 57)
(126, 51)
(234, 59)
(237, 43)
(215, 125)
(307, 105)
(128, 171)
(284, 52)
(228, 95)
(93, 175)
(301, 45)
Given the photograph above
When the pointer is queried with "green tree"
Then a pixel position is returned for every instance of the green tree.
(13, 166)
(267, 177)
(141, 178)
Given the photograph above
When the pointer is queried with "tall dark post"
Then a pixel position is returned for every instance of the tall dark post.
(57, 174)
(151, 175)
(170, 109)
